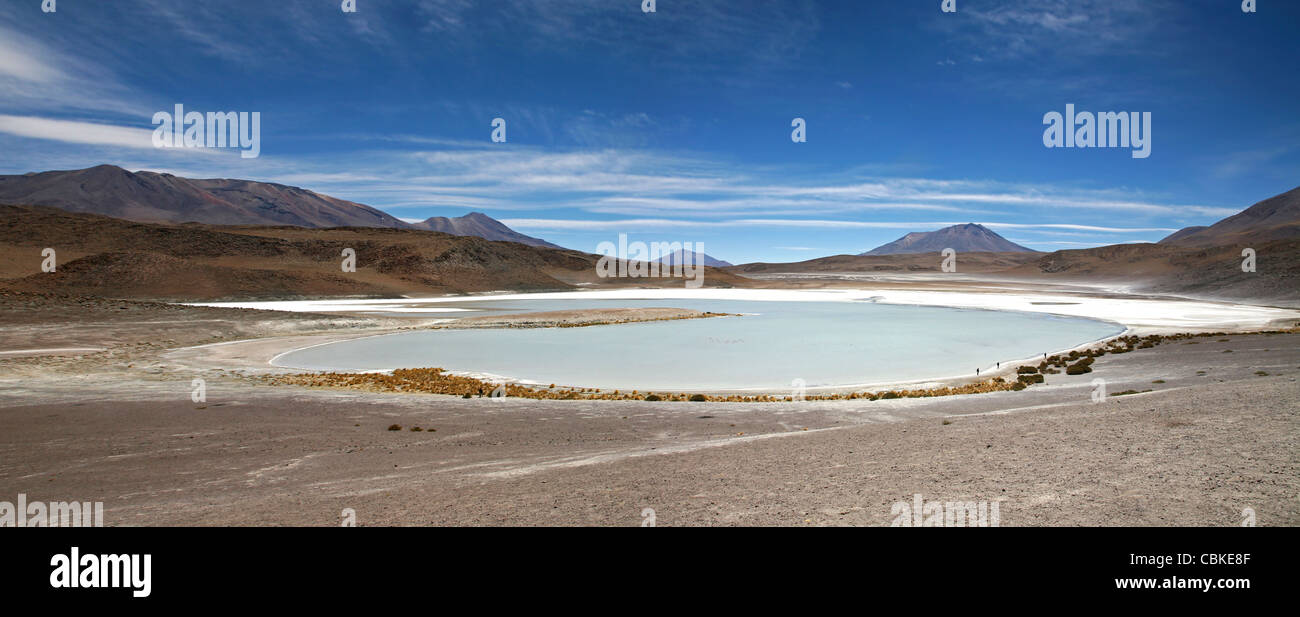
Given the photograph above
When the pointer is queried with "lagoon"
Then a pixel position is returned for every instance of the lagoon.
(769, 347)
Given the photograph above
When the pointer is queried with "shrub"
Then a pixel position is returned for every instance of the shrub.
(395, 427)
(653, 397)
(1030, 379)
(698, 398)
(1027, 370)
(1078, 368)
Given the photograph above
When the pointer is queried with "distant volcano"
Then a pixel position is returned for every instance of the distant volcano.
(699, 259)
(968, 238)
(481, 225)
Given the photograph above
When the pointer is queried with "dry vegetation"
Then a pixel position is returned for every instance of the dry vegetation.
(438, 381)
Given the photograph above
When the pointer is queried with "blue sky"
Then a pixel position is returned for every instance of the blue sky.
(675, 125)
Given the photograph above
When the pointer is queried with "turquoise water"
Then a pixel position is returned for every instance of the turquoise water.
(822, 343)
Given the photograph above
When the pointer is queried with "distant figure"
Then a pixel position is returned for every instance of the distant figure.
(999, 365)
(977, 372)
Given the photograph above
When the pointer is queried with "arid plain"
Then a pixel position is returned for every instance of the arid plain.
(100, 361)
(99, 408)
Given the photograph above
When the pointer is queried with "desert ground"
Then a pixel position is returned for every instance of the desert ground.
(95, 405)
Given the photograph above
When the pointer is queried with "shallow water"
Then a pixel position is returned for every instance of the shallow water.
(774, 344)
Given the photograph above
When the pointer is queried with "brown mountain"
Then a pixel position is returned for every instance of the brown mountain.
(480, 225)
(164, 198)
(1203, 262)
(1209, 273)
(153, 197)
(1275, 218)
(968, 238)
(108, 257)
(1179, 265)
(887, 264)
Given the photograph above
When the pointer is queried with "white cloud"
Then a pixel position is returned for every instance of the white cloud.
(572, 224)
(71, 131)
(35, 75)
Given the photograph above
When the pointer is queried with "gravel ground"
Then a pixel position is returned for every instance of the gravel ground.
(1215, 437)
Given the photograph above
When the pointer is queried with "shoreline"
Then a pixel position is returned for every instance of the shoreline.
(1214, 436)
(1144, 314)
(1138, 316)
(1211, 428)
(436, 381)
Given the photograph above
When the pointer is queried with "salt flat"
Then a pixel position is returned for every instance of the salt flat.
(1142, 315)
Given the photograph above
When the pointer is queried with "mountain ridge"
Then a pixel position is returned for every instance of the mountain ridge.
(153, 197)
(1275, 218)
(967, 238)
(481, 225)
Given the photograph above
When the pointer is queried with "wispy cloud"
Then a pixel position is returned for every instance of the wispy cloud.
(36, 75)
(637, 224)
(69, 131)
(1080, 28)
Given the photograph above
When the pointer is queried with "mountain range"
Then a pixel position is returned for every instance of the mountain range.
(968, 238)
(151, 197)
(173, 237)
(99, 256)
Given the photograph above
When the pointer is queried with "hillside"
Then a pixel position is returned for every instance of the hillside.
(1275, 218)
(1209, 273)
(164, 198)
(107, 257)
(153, 197)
